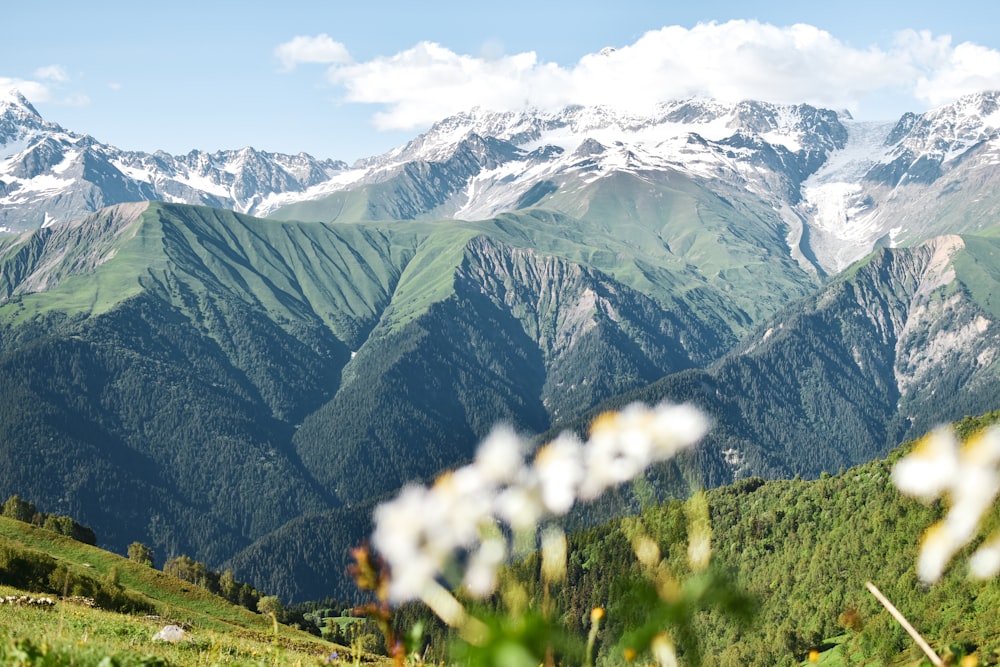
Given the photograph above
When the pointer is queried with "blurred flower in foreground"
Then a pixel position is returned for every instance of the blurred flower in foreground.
(423, 529)
(967, 476)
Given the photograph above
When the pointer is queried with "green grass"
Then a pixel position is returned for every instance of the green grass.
(71, 634)
(978, 267)
(680, 244)
(74, 634)
(107, 255)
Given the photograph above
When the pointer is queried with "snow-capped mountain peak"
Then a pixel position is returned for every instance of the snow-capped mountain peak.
(18, 120)
(950, 130)
(887, 186)
(535, 148)
(15, 105)
(838, 187)
(49, 174)
(570, 126)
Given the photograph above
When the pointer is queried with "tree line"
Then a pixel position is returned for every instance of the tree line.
(41, 573)
(22, 510)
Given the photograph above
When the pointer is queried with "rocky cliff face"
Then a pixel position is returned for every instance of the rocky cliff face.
(897, 185)
(906, 341)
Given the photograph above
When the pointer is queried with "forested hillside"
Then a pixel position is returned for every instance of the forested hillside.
(802, 550)
(196, 379)
(200, 380)
(905, 340)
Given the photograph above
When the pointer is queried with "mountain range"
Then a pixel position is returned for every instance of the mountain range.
(242, 389)
(49, 174)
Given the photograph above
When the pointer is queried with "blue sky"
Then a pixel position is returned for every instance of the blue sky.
(348, 80)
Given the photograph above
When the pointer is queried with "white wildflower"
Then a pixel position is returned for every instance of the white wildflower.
(985, 563)
(520, 505)
(411, 578)
(401, 536)
(938, 546)
(676, 427)
(559, 469)
(422, 530)
(930, 468)
(612, 456)
(399, 524)
(968, 477)
(463, 501)
(624, 444)
(500, 457)
(481, 574)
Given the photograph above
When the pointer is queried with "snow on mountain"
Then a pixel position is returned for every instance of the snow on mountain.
(896, 184)
(569, 128)
(48, 173)
(843, 225)
(508, 156)
(841, 186)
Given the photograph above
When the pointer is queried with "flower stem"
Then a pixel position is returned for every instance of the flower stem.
(910, 630)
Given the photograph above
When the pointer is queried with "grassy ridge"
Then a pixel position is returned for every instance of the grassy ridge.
(349, 274)
(979, 271)
(71, 633)
(87, 267)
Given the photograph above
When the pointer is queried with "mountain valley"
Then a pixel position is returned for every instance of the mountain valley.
(242, 389)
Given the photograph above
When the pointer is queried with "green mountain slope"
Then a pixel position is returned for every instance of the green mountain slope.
(732, 239)
(201, 380)
(106, 609)
(195, 379)
(903, 341)
(167, 417)
(885, 352)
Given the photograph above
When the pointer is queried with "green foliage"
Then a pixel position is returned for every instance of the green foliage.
(803, 550)
(22, 510)
(223, 584)
(131, 602)
(39, 572)
(25, 651)
(270, 605)
(643, 612)
(521, 640)
(140, 553)
(187, 569)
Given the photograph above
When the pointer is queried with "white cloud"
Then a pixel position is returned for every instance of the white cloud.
(947, 72)
(728, 61)
(75, 100)
(56, 73)
(425, 83)
(319, 49)
(35, 91)
(46, 87)
(735, 61)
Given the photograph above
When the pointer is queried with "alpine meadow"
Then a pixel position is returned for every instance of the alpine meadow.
(561, 387)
